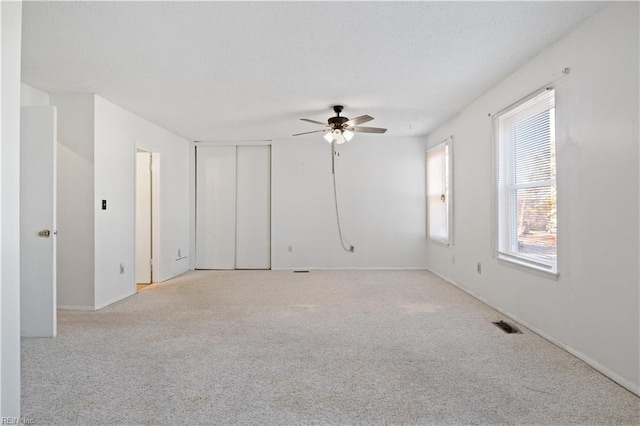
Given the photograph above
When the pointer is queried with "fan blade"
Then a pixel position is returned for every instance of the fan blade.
(306, 133)
(313, 121)
(367, 129)
(358, 120)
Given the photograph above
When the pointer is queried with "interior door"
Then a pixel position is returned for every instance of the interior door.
(38, 222)
(143, 217)
(253, 207)
(215, 207)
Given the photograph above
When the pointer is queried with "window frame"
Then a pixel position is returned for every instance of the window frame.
(526, 262)
(447, 144)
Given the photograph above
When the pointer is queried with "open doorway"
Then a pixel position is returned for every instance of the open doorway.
(145, 189)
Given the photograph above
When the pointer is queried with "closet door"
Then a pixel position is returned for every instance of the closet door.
(253, 207)
(215, 207)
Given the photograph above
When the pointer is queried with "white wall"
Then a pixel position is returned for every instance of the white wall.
(11, 18)
(380, 181)
(97, 142)
(76, 267)
(117, 134)
(30, 96)
(2, 117)
(592, 309)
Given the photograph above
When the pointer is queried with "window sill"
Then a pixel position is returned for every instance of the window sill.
(527, 267)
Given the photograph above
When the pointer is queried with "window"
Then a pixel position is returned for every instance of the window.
(439, 193)
(526, 182)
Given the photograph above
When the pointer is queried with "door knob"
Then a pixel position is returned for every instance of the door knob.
(44, 233)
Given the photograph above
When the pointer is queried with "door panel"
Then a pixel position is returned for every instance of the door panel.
(143, 217)
(215, 207)
(38, 222)
(253, 204)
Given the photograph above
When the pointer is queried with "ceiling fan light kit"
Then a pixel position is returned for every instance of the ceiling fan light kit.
(341, 129)
(338, 136)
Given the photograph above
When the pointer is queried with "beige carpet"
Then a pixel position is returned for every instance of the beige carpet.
(331, 347)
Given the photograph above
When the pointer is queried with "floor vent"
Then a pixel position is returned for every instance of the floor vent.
(300, 272)
(507, 328)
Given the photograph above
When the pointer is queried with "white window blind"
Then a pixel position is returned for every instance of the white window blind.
(438, 193)
(526, 182)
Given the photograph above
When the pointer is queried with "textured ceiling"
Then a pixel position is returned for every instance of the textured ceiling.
(250, 70)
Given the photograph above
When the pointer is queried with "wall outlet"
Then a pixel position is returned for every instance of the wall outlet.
(479, 267)
(290, 249)
(122, 268)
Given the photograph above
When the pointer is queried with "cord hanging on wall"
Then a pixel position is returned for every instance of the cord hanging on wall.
(346, 245)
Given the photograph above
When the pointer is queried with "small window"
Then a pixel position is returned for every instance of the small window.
(526, 182)
(439, 193)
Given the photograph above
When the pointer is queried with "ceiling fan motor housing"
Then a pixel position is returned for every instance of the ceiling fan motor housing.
(337, 122)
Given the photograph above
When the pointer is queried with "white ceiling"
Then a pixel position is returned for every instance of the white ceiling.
(250, 70)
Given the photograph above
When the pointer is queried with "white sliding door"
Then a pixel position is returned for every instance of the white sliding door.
(253, 207)
(216, 207)
(233, 207)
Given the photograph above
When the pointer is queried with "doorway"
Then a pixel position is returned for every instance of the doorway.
(146, 190)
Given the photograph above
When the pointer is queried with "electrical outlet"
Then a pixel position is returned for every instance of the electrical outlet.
(122, 268)
(479, 267)
(290, 249)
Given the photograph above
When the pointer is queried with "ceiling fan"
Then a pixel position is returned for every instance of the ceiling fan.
(341, 129)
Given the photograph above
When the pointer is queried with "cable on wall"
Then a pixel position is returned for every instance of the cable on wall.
(346, 245)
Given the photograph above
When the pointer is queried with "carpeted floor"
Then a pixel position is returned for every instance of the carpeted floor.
(336, 347)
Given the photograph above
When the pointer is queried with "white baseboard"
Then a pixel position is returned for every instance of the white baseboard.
(114, 300)
(75, 308)
(163, 279)
(352, 268)
(632, 387)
